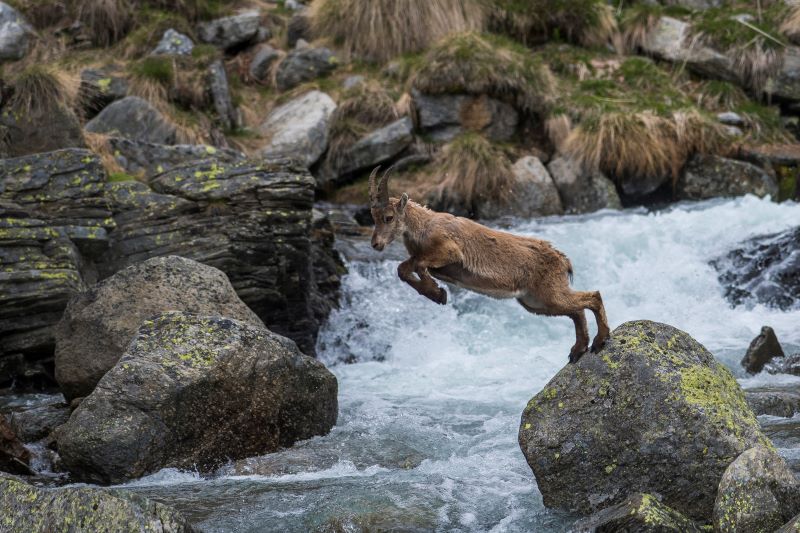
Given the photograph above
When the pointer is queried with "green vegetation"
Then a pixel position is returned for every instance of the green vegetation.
(155, 68)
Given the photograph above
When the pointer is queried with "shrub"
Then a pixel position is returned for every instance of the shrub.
(378, 30)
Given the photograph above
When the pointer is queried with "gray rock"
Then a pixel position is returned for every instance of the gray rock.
(99, 88)
(711, 176)
(774, 401)
(757, 493)
(785, 365)
(582, 191)
(304, 64)
(99, 323)
(641, 513)
(227, 115)
(230, 32)
(148, 159)
(444, 117)
(194, 392)
(15, 34)
(174, 43)
(299, 28)
(46, 127)
(351, 82)
(533, 194)
(730, 118)
(133, 118)
(33, 509)
(294, 5)
(761, 351)
(374, 148)
(262, 62)
(299, 128)
(652, 412)
(37, 423)
(793, 526)
(786, 84)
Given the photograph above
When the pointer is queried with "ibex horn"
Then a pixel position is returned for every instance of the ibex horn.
(383, 187)
(373, 189)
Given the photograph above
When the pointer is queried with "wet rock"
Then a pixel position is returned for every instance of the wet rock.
(774, 401)
(250, 219)
(641, 513)
(534, 194)
(230, 32)
(173, 43)
(37, 423)
(757, 493)
(148, 159)
(28, 508)
(582, 191)
(786, 84)
(99, 323)
(305, 64)
(785, 365)
(299, 128)
(374, 148)
(262, 62)
(193, 392)
(45, 127)
(227, 115)
(761, 351)
(710, 176)
(444, 117)
(763, 269)
(14, 457)
(652, 412)
(133, 118)
(15, 34)
(671, 41)
(99, 88)
(384, 518)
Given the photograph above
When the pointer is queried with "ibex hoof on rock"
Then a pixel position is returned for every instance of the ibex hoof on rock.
(501, 265)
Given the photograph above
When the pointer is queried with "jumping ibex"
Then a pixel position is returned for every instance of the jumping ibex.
(501, 265)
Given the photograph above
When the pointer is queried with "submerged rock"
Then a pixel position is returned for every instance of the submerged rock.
(99, 323)
(134, 118)
(761, 351)
(785, 365)
(711, 176)
(652, 412)
(763, 269)
(194, 392)
(32, 509)
(758, 493)
(640, 513)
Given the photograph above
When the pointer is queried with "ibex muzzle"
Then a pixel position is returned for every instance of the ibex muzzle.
(501, 265)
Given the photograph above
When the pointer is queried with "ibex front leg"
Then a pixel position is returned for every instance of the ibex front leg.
(425, 284)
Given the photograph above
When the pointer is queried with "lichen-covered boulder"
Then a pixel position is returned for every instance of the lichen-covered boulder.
(193, 392)
(758, 494)
(29, 509)
(761, 350)
(641, 513)
(148, 159)
(133, 118)
(173, 43)
(304, 64)
(100, 87)
(711, 176)
(99, 323)
(652, 412)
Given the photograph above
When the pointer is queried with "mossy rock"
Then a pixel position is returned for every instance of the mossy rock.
(641, 513)
(29, 509)
(652, 412)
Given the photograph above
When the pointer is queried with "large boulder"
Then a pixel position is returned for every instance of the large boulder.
(15, 34)
(100, 87)
(651, 412)
(444, 117)
(99, 323)
(641, 513)
(758, 493)
(39, 510)
(582, 191)
(193, 392)
(230, 32)
(149, 159)
(764, 270)
(304, 64)
(761, 350)
(299, 128)
(44, 127)
(134, 118)
(533, 193)
(711, 176)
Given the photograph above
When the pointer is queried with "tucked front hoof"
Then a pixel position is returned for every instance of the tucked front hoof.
(598, 343)
(576, 353)
(442, 297)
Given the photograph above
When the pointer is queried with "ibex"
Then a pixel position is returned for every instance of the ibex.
(501, 265)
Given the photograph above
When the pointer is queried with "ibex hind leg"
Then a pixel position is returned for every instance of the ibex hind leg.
(594, 302)
(575, 312)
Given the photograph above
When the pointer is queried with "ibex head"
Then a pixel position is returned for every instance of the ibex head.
(388, 213)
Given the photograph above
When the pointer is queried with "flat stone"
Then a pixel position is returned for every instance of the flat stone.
(133, 118)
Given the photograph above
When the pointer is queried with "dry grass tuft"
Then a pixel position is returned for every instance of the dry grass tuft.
(480, 64)
(643, 144)
(558, 127)
(41, 88)
(636, 25)
(99, 145)
(378, 30)
(107, 21)
(790, 26)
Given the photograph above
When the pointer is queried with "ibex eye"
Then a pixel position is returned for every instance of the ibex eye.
(388, 219)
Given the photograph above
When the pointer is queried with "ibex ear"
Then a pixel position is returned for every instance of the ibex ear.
(403, 202)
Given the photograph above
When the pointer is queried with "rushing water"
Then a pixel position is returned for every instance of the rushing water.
(429, 412)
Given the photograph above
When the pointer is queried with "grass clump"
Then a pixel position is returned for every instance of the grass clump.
(107, 21)
(480, 64)
(155, 68)
(378, 30)
(790, 27)
(586, 22)
(41, 88)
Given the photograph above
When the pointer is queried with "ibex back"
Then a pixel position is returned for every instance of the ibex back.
(501, 265)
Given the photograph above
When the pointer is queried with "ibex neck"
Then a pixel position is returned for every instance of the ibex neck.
(416, 217)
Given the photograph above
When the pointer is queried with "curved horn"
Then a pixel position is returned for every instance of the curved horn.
(373, 189)
(383, 187)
